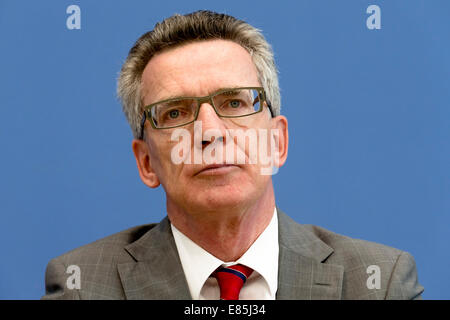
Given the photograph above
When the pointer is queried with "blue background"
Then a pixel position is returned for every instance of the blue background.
(368, 115)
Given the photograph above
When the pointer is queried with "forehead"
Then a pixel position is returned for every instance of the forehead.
(197, 69)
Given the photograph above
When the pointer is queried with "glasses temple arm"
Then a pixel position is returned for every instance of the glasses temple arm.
(141, 135)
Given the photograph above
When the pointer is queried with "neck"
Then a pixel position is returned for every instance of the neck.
(225, 233)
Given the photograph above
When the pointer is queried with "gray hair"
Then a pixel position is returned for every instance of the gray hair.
(180, 29)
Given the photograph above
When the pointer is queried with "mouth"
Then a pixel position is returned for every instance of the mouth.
(216, 169)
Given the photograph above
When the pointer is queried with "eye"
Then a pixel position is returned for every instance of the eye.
(235, 103)
(173, 114)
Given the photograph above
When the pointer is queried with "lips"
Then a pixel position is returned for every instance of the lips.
(215, 168)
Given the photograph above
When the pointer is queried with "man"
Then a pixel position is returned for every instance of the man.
(197, 89)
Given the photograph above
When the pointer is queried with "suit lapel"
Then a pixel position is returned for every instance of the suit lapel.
(157, 272)
(301, 273)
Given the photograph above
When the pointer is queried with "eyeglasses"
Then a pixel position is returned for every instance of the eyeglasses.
(227, 103)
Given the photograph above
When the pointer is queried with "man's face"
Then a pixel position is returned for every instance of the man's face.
(199, 69)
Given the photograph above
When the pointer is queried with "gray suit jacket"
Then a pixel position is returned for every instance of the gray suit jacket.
(314, 263)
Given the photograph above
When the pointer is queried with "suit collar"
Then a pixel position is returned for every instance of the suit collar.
(302, 274)
(157, 272)
(299, 239)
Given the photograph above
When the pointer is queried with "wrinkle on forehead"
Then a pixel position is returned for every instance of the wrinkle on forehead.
(197, 69)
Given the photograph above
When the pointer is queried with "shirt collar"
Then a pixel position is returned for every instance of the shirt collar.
(198, 264)
(262, 256)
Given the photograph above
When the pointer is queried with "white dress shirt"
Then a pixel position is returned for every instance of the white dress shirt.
(198, 265)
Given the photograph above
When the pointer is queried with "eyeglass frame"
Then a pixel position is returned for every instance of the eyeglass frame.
(200, 101)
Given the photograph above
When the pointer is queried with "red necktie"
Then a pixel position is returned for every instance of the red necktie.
(231, 279)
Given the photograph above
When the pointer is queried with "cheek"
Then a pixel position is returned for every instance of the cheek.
(249, 183)
(160, 158)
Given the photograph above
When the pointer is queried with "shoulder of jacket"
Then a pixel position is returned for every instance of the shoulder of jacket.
(110, 247)
(360, 249)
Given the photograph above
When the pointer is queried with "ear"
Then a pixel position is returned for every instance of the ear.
(282, 142)
(146, 172)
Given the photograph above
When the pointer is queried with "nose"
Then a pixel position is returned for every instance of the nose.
(211, 121)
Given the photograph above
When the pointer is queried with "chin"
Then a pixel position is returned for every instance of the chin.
(222, 191)
(221, 197)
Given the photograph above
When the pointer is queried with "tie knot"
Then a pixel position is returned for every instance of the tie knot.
(231, 279)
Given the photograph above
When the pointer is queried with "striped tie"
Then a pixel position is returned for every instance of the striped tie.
(231, 279)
